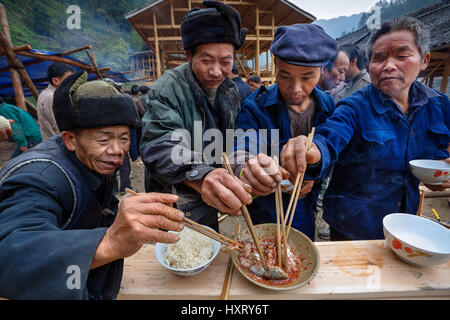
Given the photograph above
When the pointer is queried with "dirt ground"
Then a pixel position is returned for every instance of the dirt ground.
(436, 200)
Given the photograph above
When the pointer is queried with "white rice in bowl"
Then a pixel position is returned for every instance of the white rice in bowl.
(192, 250)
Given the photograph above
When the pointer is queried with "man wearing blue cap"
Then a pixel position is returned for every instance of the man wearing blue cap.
(293, 106)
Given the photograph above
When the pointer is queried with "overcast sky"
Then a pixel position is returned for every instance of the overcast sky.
(328, 9)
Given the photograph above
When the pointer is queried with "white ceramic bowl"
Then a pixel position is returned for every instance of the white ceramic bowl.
(430, 171)
(417, 240)
(160, 252)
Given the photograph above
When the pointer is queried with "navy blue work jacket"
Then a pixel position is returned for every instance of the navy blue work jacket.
(268, 111)
(371, 141)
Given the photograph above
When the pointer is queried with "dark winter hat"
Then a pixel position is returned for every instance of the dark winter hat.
(78, 104)
(304, 45)
(219, 22)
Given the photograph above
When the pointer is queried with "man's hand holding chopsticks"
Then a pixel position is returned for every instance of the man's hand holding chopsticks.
(294, 157)
(263, 174)
(138, 221)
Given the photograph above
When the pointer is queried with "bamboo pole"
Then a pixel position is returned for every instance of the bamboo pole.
(15, 77)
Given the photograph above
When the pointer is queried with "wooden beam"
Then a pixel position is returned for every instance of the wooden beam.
(17, 49)
(94, 63)
(15, 77)
(66, 53)
(255, 37)
(57, 59)
(174, 38)
(161, 26)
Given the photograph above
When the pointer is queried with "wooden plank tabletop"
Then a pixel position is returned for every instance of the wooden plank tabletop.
(348, 270)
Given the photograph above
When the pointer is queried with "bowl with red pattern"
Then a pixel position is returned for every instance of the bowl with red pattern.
(417, 240)
(430, 171)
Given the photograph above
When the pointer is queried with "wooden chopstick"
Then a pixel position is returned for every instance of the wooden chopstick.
(203, 230)
(278, 213)
(230, 268)
(246, 215)
(212, 234)
(299, 186)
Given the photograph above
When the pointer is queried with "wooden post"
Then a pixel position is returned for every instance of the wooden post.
(273, 58)
(155, 35)
(445, 75)
(258, 72)
(172, 17)
(15, 77)
(94, 63)
(18, 66)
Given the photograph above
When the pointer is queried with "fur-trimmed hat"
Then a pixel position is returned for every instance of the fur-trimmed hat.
(78, 104)
(218, 22)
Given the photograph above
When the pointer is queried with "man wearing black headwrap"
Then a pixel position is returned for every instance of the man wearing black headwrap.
(187, 101)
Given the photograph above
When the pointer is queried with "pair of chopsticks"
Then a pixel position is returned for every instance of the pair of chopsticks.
(281, 224)
(246, 214)
(230, 267)
(297, 187)
(203, 230)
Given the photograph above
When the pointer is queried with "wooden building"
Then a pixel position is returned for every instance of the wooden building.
(437, 18)
(158, 23)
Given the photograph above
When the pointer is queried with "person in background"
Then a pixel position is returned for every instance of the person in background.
(356, 77)
(254, 82)
(243, 88)
(292, 107)
(25, 131)
(333, 73)
(56, 73)
(63, 234)
(5, 129)
(374, 133)
(144, 95)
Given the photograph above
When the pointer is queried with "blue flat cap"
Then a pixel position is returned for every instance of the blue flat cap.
(304, 45)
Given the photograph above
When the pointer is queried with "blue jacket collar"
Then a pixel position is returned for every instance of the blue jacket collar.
(419, 95)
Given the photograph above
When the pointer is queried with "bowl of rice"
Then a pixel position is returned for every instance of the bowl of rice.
(192, 254)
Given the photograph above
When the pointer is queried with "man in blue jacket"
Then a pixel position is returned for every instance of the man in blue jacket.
(62, 234)
(290, 107)
(373, 134)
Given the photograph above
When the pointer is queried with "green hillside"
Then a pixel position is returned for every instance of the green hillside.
(42, 24)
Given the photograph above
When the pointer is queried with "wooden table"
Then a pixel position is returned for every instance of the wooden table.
(348, 270)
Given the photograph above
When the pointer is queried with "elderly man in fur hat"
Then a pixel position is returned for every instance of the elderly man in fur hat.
(62, 233)
(186, 103)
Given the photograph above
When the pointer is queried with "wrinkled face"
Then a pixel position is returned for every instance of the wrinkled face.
(211, 63)
(295, 82)
(395, 63)
(102, 150)
(334, 76)
(253, 85)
